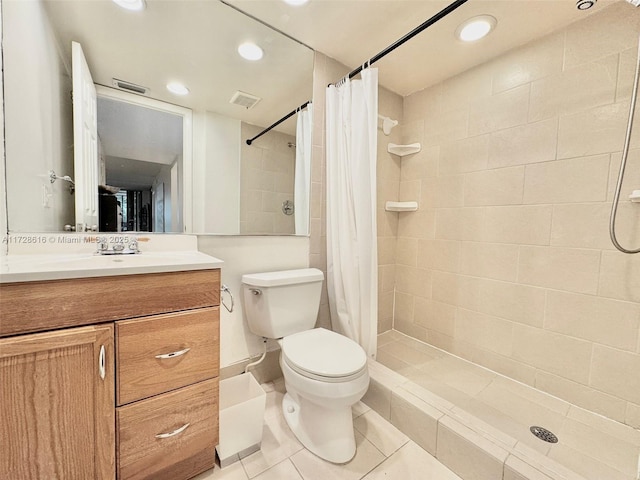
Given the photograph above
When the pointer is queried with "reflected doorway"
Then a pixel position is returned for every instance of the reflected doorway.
(144, 163)
(126, 211)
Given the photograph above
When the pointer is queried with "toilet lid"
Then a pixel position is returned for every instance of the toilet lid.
(323, 353)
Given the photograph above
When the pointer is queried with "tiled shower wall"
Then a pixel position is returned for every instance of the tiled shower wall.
(507, 262)
(267, 177)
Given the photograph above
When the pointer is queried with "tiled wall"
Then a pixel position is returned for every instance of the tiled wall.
(507, 262)
(327, 70)
(267, 175)
(388, 175)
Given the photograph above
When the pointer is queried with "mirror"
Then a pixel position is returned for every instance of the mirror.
(224, 188)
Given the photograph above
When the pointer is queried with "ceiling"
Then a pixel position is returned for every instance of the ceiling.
(352, 31)
(137, 142)
(132, 131)
(195, 42)
(190, 41)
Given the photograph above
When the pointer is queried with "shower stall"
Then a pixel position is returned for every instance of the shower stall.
(502, 300)
(508, 321)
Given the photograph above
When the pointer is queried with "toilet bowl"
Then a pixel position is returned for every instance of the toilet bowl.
(325, 373)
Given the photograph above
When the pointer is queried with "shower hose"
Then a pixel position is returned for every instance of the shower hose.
(623, 163)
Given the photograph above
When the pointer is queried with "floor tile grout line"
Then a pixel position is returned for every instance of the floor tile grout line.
(295, 466)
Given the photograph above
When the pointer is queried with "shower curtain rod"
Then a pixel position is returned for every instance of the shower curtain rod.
(301, 107)
(420, 28)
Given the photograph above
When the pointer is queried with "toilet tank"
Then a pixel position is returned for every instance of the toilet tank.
(281, 303)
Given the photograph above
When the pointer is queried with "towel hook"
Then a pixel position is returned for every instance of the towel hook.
(225, 289)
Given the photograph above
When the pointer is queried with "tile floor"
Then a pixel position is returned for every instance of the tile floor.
(591, 445)
(383, 452)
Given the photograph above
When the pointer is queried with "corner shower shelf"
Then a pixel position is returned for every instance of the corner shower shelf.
(401, 206)
(402, 150)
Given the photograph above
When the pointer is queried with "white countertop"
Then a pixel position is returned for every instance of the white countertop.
(29, 268)
(57, 256)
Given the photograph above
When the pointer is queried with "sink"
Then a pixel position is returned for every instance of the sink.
(24, 268)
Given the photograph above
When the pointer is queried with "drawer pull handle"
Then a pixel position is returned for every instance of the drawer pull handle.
(173, 354)
(175, 432)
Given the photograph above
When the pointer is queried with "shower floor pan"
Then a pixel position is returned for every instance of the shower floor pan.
(478, 422)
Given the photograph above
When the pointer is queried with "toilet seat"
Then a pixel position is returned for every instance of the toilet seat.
(324, 355)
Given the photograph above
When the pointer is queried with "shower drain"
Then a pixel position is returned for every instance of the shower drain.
(544, 434)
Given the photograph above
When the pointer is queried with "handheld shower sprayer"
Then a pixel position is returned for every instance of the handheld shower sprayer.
(623, 162)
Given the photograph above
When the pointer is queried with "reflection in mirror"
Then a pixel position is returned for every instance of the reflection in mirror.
(141, 146)
(266, 189)
(194, 42)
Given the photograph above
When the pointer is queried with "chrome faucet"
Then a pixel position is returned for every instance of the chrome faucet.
(120, 245)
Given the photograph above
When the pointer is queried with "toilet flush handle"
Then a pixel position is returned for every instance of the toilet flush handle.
(255, 291)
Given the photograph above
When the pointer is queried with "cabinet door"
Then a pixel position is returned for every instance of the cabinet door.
(57, 405)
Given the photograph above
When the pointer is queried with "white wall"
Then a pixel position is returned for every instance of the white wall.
(164, 179)
(38, 129)
(248, 255)
(216, 169)
(3, 190)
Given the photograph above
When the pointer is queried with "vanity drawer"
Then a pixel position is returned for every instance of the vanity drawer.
(153, 442)
(47, 305)
(165, 352)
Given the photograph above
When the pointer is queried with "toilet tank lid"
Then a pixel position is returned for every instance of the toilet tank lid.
(285, 277)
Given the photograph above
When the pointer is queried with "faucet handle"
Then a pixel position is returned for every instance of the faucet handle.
(102, 244)
(133, 245)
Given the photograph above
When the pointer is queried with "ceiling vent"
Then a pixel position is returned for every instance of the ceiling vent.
(245, 100)
(130, 87)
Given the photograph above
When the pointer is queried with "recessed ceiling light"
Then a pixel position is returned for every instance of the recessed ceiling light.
(250, 51)
(296, 2)
(476, 28)
(131, 4)
(177, 88)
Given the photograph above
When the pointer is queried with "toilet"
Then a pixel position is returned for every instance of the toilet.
(325, 373)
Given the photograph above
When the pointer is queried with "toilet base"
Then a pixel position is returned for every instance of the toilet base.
(327, 433)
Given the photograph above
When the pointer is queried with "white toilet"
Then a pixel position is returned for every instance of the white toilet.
(325, 373)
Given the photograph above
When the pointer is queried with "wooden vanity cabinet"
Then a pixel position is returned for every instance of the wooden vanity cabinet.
(57, 405)
(111, 399)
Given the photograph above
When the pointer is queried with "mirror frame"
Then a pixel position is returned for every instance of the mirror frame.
(187, 141)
